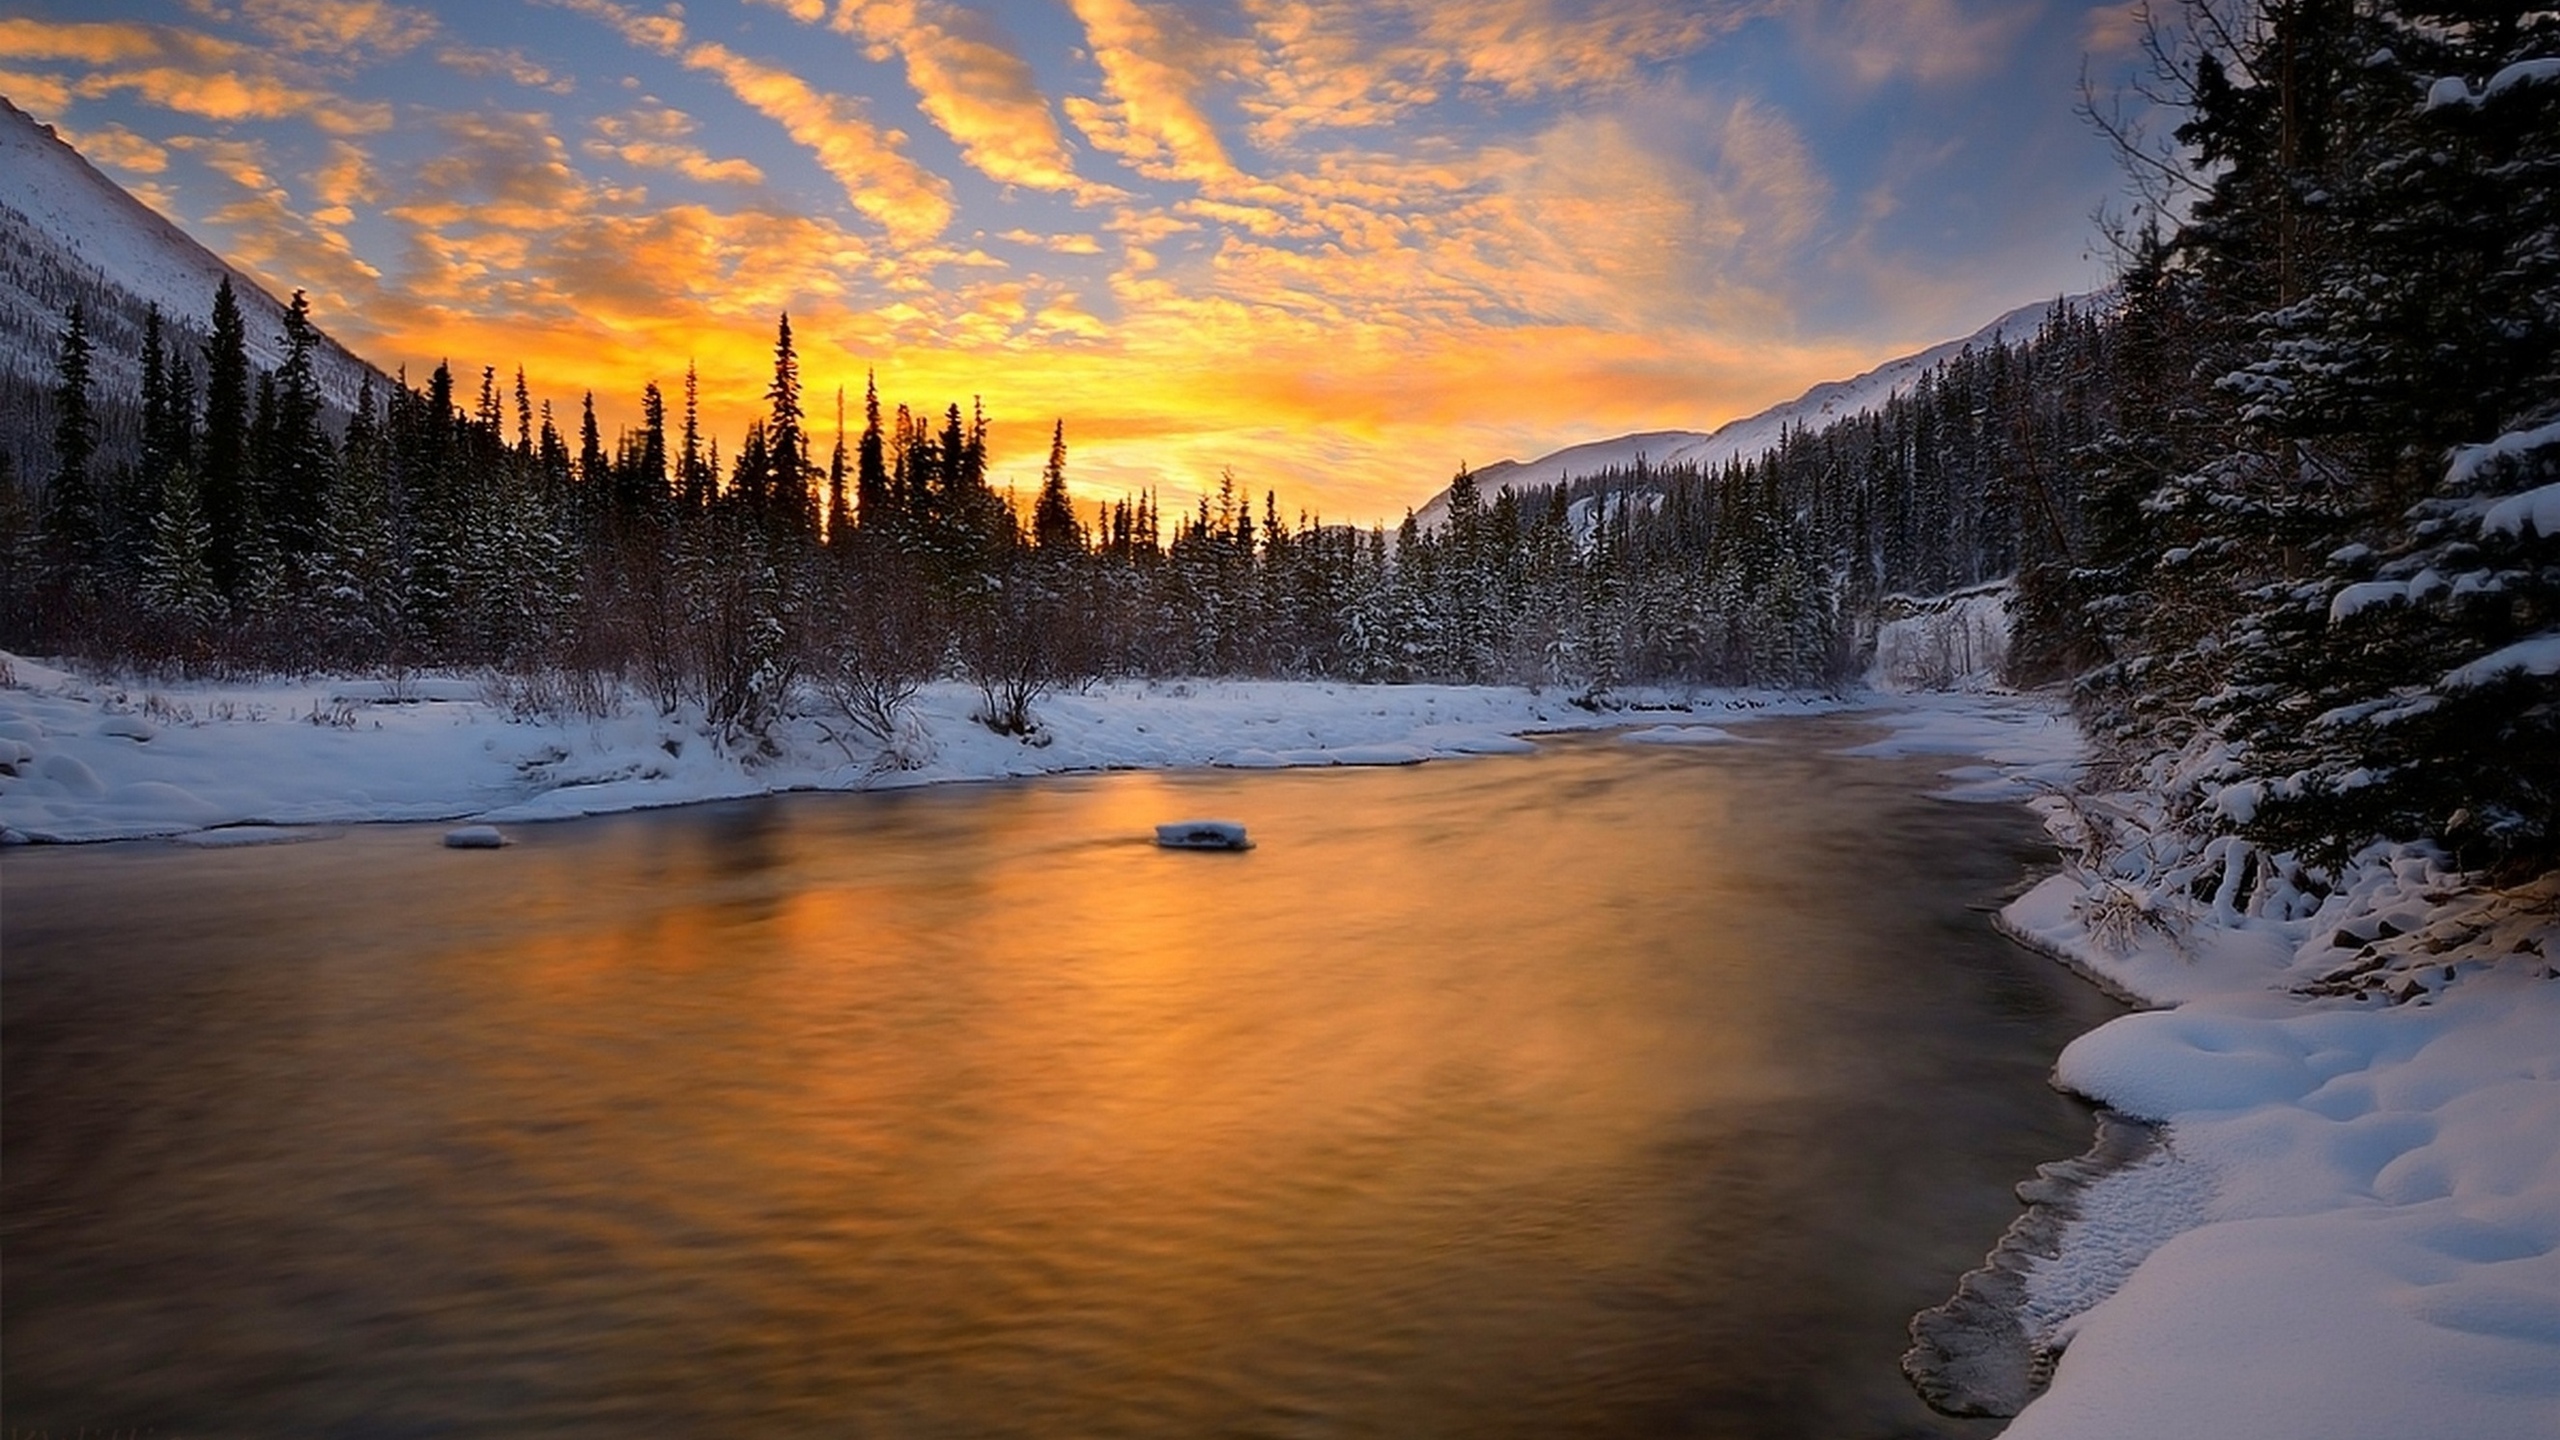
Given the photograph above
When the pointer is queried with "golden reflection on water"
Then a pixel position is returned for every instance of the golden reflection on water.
(1509, 1097)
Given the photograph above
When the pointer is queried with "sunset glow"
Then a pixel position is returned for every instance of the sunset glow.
(1336, 247)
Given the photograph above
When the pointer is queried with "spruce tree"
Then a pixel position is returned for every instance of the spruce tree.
(872, 495)
(785, 491)
(230, 506)
(2369, 697)
(2331, 620)
(298, 464)
(647, 494)
(71, 526)
(177, 566)
(694, 476)
(156, 456)
(1053, 516)
(839, 504)
(595, 473)
(361, 583)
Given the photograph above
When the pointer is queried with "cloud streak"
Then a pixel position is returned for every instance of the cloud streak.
(975, 87)
(879, 180)
(1150, 115)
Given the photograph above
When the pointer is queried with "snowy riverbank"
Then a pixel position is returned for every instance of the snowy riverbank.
(86, 759)
(2350, 1226)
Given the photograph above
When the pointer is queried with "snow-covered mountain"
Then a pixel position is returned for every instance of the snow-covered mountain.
(68, 232)
(1748, 437)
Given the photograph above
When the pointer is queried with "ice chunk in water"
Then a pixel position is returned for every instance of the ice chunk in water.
(1202, 835)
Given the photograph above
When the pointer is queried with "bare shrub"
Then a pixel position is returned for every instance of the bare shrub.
(883, 640)
(1021, 638)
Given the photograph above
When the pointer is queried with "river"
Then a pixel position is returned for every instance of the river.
(1609, 1091)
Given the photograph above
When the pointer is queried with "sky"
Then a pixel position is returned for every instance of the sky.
(1337, 247)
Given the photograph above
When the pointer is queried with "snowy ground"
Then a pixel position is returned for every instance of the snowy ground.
(84, 759)
(2353, 1228)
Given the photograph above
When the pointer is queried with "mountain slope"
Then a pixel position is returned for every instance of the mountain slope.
(1745, 438)
(68, 232)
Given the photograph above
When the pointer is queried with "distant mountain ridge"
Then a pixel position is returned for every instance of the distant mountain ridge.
(1751, 435)
(68, 232)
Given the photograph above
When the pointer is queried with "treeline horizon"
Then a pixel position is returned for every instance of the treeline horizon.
(439, 530)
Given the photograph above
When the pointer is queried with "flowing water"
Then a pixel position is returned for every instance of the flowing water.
(1602, 1092)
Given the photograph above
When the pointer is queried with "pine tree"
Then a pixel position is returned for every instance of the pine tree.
(71, 502)
(177, 568)
(595, 473)
(786, 491)
(297, 464)
(2315, 602)
(872, 496)
(839, 504)
(157, 455)
(749, 472)
(230, 504)
(1053, 516)
(694, 477)
(2369, 699)
(644, 491)
(360, 577)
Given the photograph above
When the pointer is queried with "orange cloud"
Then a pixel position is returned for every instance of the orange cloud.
(36, 93)
(1151, 117)
(973, 86)
(95, 43)
(1348, 64)
(1935, 42)
(2114, 29)
(1061, 244)
(345, 179)
(475, 60)
(1343, 260)
(183, 71)
(115, 145)
(282, 247)
(340, 27)
(911, 203)
(655, 137)
(496, 171)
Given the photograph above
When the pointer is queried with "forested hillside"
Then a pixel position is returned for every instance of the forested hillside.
(68, 234)
(2318, 582)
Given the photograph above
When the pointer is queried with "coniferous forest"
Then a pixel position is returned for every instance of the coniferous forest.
(2279, 506)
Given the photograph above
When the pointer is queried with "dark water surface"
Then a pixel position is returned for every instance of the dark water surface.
(1605, 1092)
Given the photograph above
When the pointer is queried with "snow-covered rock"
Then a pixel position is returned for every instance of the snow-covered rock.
(1679, 735)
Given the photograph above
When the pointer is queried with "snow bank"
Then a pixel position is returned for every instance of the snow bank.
(2381, 1253)
(2353, 1226)
(82, 759)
